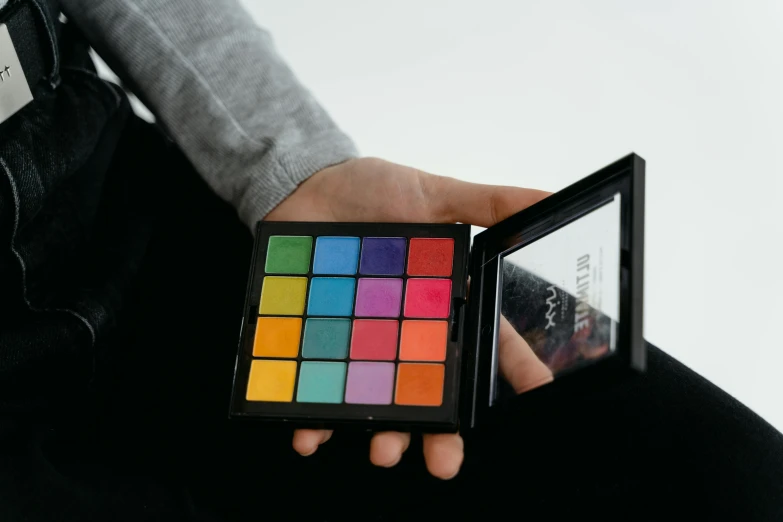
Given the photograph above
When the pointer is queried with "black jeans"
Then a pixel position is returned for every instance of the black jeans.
(123, 280)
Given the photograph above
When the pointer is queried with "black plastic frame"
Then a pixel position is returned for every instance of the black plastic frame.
(377, 417)
(479, 383)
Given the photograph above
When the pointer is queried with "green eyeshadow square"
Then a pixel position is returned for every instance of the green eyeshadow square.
(288, 254)
(326, 338)
(321, 382)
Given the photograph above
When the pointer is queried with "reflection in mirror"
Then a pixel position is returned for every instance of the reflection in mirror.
(561, 293)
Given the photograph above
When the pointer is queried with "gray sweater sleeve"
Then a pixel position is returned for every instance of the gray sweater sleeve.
(212, 78)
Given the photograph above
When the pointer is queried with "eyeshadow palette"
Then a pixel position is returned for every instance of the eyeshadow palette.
(352, 320)
(370, 324)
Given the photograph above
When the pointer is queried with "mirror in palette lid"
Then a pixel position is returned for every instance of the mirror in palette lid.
(566, 276)
(561, 294)
(371, 325)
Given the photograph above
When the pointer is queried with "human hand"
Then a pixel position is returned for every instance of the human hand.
(373, 190)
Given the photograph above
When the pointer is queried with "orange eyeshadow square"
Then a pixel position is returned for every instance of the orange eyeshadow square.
(277, 337)
(423, 340)
(420, 384)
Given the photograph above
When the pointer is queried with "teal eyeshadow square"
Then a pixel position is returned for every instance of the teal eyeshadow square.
(321, 382)
(331, 296)
(326, 338)
(338, 255)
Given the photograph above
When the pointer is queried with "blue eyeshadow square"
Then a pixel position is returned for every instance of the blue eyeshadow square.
(332, 296)
(383, 256)
(336, 255)
(321, 382)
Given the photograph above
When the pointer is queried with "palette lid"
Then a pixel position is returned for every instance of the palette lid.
(557, 289)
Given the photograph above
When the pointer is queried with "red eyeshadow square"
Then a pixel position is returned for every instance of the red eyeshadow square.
(428, 298)
(430, 257)
(374, 340)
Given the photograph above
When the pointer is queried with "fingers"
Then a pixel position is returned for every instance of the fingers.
(387, 447)
(306, 442)
(474, 203)
(518, 364)
(443, 453)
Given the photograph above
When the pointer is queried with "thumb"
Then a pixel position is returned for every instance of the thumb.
(476, 203)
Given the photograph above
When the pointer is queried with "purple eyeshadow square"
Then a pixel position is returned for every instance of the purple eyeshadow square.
(377, 297)
(369, 383)
(383, 256)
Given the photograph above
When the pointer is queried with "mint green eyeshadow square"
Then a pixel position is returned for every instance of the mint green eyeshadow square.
(288, 254)
(321, 382)
(326, 338)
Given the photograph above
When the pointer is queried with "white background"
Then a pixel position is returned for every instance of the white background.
(541, 93)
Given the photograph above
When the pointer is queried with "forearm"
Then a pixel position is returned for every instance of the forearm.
(214, 81)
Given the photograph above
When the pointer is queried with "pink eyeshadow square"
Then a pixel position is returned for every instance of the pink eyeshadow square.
(428, 298)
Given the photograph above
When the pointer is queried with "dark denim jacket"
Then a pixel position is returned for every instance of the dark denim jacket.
(59, 285)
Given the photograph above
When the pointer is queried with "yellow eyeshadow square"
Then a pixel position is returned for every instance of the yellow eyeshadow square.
(271, 381)
(277, 337)
(283, 295)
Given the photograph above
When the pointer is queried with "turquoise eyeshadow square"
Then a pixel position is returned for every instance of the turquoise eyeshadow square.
(338, 255)
(326, 338)
(321, 382)
(331, 296)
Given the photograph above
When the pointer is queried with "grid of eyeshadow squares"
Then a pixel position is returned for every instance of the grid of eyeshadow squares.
(337, 325)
